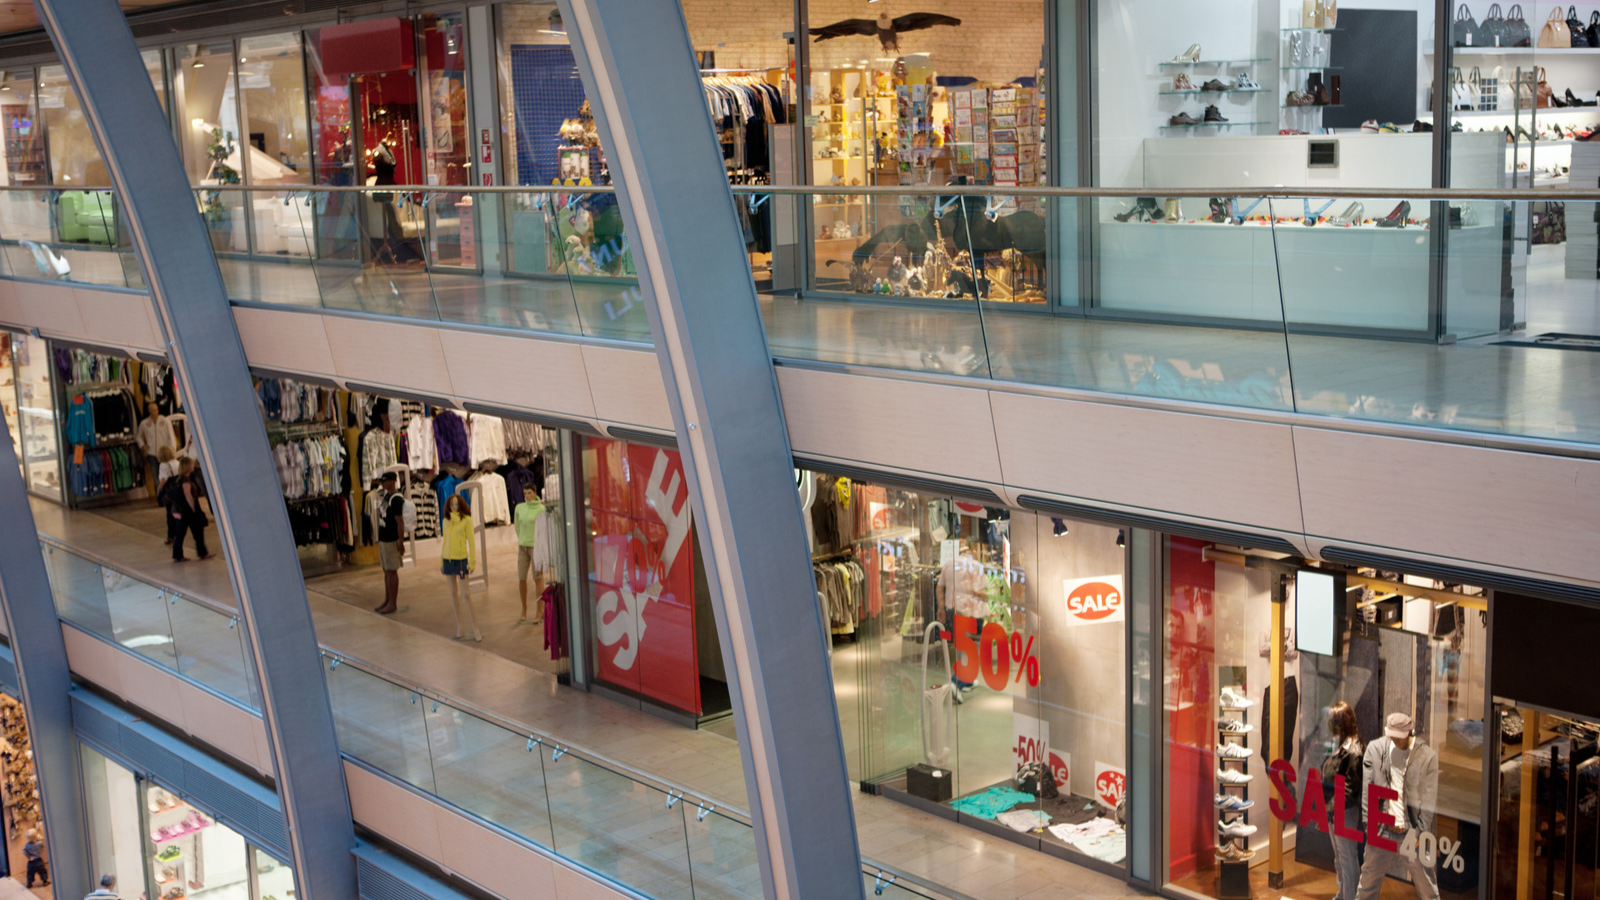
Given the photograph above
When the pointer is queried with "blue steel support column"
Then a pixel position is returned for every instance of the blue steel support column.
(41, 658)
(639, 70)
(130, 129)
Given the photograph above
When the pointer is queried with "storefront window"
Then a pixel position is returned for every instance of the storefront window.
(1373, 693)
(191, 854)
(204, 92)
(36, 405)
(74, 159)
(980, 653)
(111, 798)
(272, 88)
(447, 139)
(274, 878)
(650, 617)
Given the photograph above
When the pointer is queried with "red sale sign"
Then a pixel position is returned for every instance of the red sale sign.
(1061, 768)
(1091, 601)
(1110, 784)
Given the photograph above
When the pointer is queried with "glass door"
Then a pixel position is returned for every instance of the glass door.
(447, 141)
(1548, 830)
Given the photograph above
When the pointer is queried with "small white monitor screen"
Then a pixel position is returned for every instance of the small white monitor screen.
(1316, 626)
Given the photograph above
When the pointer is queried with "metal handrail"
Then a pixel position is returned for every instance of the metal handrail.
(1280, 192)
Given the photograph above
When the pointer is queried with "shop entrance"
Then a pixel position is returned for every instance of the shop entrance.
(390, 107)
(1548, 827)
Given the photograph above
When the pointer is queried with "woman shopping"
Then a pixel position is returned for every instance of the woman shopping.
(1346, 761)
(184, 503)
(457, 559)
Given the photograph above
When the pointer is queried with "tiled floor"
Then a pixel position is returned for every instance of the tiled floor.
(613, 824)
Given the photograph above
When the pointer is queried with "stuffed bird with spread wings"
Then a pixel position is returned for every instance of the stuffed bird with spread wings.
(886, 30)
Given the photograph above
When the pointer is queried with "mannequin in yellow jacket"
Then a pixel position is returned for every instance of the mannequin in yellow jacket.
(457, 558)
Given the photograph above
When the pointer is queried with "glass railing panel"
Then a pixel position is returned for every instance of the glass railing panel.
(506, 271)
(883, 885)
(79, 590)
(139, 618)
(65, 235)
(617, 827)
(588, 234)
(210, 649)
(489, 770)
(722, 856)
(380, 723)
(889, 283)
(1178, 298)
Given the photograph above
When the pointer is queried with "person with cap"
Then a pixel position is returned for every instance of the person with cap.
(107, 891)
(391, 532)
(33, 851)
(1402, 763)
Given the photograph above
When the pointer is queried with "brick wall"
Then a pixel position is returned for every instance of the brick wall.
(998, 40)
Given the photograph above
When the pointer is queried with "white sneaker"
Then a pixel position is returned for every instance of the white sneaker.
(1234, 700)
(1244, 83)
(1234, 726)
(1236, 828)
(1233, 776)
(1233, 751)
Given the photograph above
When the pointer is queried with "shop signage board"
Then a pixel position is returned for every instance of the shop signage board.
(1091, 601)
(1030, 739)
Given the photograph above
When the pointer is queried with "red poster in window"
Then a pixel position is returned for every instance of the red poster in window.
(644, 573)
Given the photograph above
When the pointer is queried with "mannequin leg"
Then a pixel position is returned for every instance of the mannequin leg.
(538, 610)
(522, 592)
(455, 603)
(472, 618)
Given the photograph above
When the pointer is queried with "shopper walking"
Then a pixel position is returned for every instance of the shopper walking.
(391, 535)
(107, 891)
(1346, 761)
(165, 472)
(1403, 764)
(33, 851)
(458, 558)
(153, 434)
(187, 510)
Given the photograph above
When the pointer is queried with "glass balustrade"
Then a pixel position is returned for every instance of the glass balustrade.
(66, 235)
(193, 638)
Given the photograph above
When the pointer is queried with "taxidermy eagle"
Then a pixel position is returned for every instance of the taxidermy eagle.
(886, 30)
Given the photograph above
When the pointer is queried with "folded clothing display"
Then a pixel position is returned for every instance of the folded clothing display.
(1099, 837)
(991, 803)
(1024, 819)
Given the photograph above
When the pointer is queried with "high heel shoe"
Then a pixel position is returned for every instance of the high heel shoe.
(1396, 218)
(1572, 99)
(1144, 208)
(1173, 213)
(1351, 216)
(1221, 210)
(1190, 55)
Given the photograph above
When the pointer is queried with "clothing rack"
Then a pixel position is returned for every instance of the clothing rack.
(846, 553)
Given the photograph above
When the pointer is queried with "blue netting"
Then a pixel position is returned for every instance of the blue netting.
(547, 91)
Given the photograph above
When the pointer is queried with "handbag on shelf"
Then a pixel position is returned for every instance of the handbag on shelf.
(1308, 13)
(1593, 31)
(1546, 95)
(1555, 33)
(1526, 92)
(1330, 15)
(1464, 30)
(1493, 28)
(1580, 38)
(1517, 33)
(1460, 95)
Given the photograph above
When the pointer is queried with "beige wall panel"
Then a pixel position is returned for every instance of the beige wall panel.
(389, 354)
(627, 387)
(52, 308)
(284, 341)
(89, 658)
(509, 370)
(490, 860)
(392, 811)
(118, 319)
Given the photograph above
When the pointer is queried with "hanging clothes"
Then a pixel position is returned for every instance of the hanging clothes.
(377, 453)
(554, 600)
(426, 501)
(496, 505)
(450, 439)
(488, 439)
(420, 453)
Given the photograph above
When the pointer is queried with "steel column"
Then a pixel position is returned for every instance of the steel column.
(97, 48)
(639, 70)
(41, 657)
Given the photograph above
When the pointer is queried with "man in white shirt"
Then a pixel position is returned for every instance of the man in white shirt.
(1402, 763)
(107, 891)
(153, 433)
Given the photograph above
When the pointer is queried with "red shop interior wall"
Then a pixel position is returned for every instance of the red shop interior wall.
(643, 573)
(1191, 707)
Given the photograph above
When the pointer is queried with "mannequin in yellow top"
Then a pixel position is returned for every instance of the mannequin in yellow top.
(457, 558)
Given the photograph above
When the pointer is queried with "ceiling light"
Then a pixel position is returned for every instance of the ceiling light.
(1059, 527)
(198, 65)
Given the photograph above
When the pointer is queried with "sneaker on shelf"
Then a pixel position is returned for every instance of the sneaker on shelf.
(1245, 83)
(1230, 853)
(1418, 126)
(1214, 86)
(1370, 126)
(1236, 828)
(1231, 803)
(1233, 776)
(1233, 751)
(1234, 726)
(1234, 700)
(1183, 118)
(1388, 128)
(1214, 115)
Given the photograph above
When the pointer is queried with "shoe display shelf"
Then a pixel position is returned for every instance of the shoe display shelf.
(1229, 124)
(1233, 853)
(1224, 68)
(1306, 53)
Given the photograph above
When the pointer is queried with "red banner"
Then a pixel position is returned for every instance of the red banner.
(643, 572)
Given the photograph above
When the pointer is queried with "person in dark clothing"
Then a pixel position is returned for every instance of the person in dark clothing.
(33, 850)
(1346, 761)
(186, 509)
(391, 541)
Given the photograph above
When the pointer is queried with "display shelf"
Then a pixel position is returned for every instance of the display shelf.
(1330, 29)
(1216, 62)
(1310, 68)
(1518, 51)
(1509, 114)
(1224, 91)
(1215, 125)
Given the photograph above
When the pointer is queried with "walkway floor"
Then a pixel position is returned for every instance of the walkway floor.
(703, 761)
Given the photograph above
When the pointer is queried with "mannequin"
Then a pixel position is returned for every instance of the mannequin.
(525, 518)
(457, 560)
